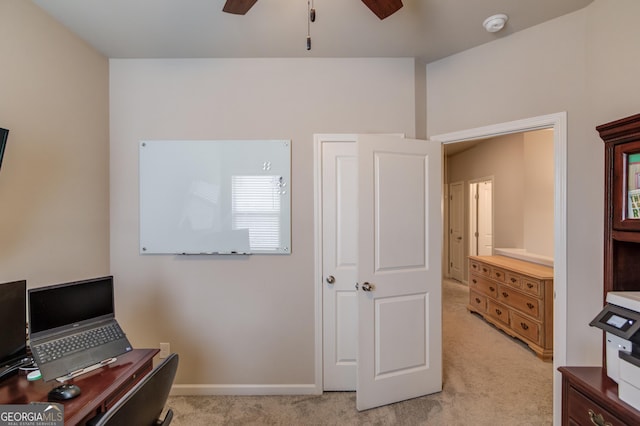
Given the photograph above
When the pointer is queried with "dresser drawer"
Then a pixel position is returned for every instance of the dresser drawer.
(479, 268)
(583, 411)
(498, 274)
(498, 311)
(532, 286)
(514, 280)
(521, 302)
(525, 327)
(477, 302)
(483, 285)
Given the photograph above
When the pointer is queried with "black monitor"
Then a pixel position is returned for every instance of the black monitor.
(3, 142)
(13, 330)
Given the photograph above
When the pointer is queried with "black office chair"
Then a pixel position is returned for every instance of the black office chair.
(144, 403)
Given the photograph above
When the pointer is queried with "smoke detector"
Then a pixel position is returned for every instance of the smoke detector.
(495, 23)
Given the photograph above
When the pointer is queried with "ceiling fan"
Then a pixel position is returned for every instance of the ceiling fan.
(382, 8)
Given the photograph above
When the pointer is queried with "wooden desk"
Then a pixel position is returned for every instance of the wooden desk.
(589, 396)
(101, 388)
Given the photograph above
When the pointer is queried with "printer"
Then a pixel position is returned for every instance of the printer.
(620, 320)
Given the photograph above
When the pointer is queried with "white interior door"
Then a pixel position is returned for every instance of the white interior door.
(456, 230)
(481, 218)
(399, 270)
(339, 251)
(485, 218)
(473, 219)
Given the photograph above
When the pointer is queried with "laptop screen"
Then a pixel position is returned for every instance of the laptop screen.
(54, 308)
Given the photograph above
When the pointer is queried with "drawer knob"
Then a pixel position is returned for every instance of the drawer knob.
(498, 311)
(513, 280)
(475, 281)
(497, 274)
(477, 300)
(505, 294)
(484, 269)
(530, 305)
(524, 326)
(529, 285)
(597, 419)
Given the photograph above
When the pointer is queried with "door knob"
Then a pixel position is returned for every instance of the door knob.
(367, 287)
(331, 279)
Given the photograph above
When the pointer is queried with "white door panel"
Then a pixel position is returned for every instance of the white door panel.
(485, 218)
(339, 198)
(456, 230)
(401, 341)
(481, 218)
(399, 232)
(399, 255)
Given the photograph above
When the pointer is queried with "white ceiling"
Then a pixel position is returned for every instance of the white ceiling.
(425, 29)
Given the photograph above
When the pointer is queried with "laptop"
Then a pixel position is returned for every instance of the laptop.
(72, 327)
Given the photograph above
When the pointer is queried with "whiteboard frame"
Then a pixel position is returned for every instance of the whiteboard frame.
(185, 197)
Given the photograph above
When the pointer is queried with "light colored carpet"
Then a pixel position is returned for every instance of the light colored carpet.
(489, 379)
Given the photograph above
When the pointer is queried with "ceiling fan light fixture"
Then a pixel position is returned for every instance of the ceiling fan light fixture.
(495, 23)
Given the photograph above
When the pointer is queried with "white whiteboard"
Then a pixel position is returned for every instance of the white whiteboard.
(215, 196)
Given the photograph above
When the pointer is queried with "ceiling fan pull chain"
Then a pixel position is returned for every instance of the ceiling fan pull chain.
(311, 16)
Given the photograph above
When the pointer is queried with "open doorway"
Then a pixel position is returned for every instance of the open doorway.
(514, 172)
(481, 217)
(558, 124)
(456, 231)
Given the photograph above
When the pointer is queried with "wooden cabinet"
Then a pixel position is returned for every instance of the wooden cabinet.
(622, 204)
(590, 397)
(515, 296)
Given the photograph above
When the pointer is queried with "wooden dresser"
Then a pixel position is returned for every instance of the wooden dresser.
(515, 296)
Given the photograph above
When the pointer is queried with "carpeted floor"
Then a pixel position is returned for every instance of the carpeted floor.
(489, 379)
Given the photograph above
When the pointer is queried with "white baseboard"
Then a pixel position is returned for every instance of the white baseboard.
(194, 389)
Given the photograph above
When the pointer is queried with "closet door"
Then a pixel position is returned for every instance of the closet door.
(399, 269)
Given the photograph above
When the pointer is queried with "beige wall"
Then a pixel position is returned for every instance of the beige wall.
(503, 159)
(538, 192)
(583, 63)
(238, 320)
(54, 187)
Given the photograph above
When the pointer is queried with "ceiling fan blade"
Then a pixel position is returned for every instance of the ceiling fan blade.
(383, 8)
(238, 7)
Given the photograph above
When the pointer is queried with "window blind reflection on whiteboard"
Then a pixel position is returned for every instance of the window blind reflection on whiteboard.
(215, 197)
(256, 206)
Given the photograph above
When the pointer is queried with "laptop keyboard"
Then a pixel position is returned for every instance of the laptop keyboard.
(56, 349)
